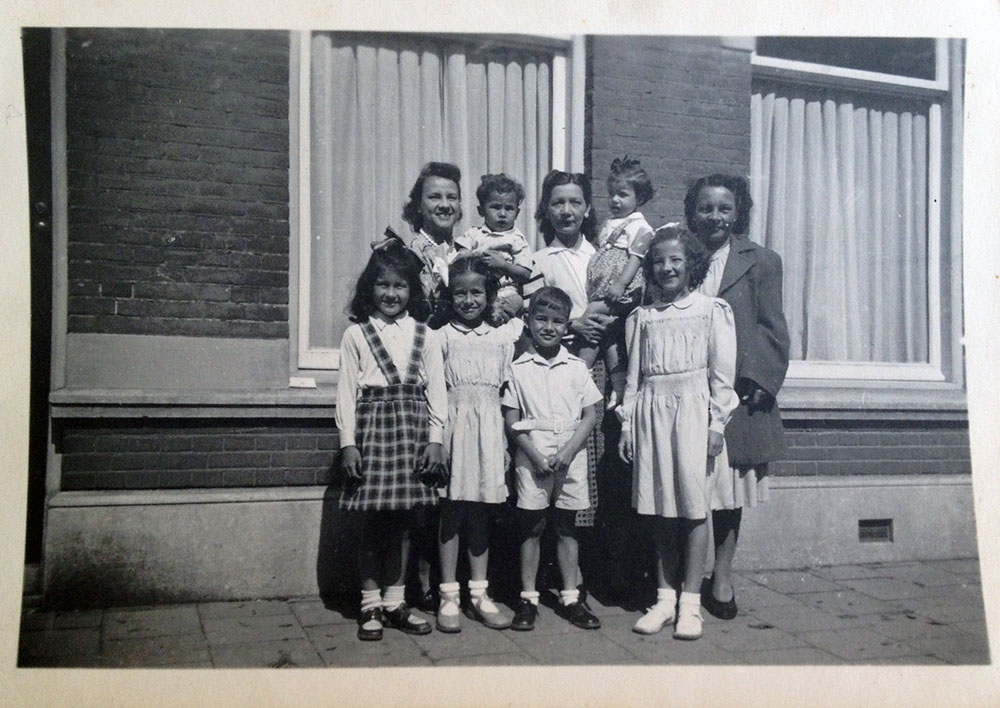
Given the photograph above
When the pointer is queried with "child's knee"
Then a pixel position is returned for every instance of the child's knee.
(530, 523)
(565, 522)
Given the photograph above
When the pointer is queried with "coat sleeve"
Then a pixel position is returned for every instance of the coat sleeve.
(766, 359)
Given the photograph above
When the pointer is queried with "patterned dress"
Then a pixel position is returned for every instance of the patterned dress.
(476, 364)
(392, 425)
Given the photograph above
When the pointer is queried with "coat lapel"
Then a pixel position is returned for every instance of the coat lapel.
(739, 262)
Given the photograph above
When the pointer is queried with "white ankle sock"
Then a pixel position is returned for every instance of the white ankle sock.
(690, 598)
(370, 599)
(449, 599)
(568, 597)
(531, 596)
(393, 596)
(477, 589)
(666, 595)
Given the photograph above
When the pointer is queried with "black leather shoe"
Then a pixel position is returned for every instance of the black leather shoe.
(717, 608)
(402, 619)
(580, 615)
(524, 616)
(373, 634)
(428, 602)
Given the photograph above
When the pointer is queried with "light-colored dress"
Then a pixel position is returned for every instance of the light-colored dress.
(682, 360)
(476, 364)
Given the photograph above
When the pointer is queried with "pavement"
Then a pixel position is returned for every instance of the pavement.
(928, 612)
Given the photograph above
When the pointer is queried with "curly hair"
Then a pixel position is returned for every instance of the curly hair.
(467, 262)
(394, 256)
(628, 171)
(558, 178)
(696, 256)
(501, 184)
(445, 170)
(740, 190)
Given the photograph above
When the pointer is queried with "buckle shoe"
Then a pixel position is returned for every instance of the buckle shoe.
(403, 619)
(524, 616)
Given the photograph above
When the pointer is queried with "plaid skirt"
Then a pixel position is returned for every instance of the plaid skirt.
(392, 426)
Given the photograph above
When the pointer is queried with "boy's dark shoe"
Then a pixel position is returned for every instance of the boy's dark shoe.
(580, 615)
(524, 616)
(372, 618)
(427, 602)
(401, 618)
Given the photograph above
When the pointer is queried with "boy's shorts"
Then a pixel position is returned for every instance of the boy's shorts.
(568, 490)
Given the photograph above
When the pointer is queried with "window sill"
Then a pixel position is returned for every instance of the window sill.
(202, 403)
(860, 400)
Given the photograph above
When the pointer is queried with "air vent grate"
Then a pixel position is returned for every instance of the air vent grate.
(875, 530)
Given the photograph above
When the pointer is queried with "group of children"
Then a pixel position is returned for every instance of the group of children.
(445, 367)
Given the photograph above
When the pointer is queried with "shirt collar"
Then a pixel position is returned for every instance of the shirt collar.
(722, 252)
(681, 304)
(583, 246)
(379, 321)
(483, 327)
(563, 357)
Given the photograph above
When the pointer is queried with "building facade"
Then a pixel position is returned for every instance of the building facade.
(213, 194)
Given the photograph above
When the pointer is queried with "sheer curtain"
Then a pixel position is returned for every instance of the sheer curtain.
(382, 106)
(839, 184)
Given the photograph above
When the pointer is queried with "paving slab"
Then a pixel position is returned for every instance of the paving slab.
(745, 633)
(339, 646)
(311, 613)
(792, 581)
(511, 659)
(663, 650)
(787, 657)
(947, 609)
(835, 573)
(277, 654)
(911, 626)
(71, 644)
(858, 644)
(847, 603)
(138, 652)
(37, 619)
(582, 647)
(805, 618)
(927, 574)
(890, 588)
(252, 608)
(754, 596)
(958, 649)
(474, 639)
(258, 628)
(152, 622)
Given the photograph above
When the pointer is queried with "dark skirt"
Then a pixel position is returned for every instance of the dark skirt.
(392, 432)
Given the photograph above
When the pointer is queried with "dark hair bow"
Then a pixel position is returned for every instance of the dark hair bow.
(388, 237)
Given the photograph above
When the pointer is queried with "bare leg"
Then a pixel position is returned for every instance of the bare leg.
(397, 549)
(695, 552)
(369, 555)
(530, 547)
(667, 551)
(726, 527)
(449, 560)
(478, 546)
(568, 557)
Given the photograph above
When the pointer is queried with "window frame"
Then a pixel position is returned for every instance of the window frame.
(942, 94)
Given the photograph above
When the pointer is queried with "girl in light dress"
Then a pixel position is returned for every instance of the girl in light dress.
(678, 398)
(477, 352)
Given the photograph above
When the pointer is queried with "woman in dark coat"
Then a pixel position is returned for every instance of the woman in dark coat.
(748, 277)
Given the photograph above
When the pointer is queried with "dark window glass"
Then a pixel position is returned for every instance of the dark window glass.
(906, 56)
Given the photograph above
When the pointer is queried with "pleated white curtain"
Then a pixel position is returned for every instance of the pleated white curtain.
(840, 192)
(381, 108)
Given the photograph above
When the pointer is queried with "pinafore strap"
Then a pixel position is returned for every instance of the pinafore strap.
(384, 361)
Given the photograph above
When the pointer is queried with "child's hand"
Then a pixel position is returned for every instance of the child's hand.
(616, 291)
(494, 259)
(715, 443)
(560, 461)
(350, 462)
(625, 447)
(433, 465)
(542, 465)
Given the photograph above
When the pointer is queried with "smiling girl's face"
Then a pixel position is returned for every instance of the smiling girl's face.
(468, 297)
(392, 293)
(670, 269)
(440, 207)
(567, 208)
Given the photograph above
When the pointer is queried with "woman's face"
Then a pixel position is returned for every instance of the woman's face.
(440, 206)
(567, 208)
(714, 216)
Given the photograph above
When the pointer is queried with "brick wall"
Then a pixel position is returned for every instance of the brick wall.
(896, 447)
(679, 104)
(177, 152)
(135, 454)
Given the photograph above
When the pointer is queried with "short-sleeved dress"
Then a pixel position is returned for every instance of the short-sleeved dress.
(618, 240)
(476, 365)
(682, 359)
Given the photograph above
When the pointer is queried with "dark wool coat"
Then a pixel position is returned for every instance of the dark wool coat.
(751, 284)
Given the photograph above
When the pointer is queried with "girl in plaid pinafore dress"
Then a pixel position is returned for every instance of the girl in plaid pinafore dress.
(391, 408)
